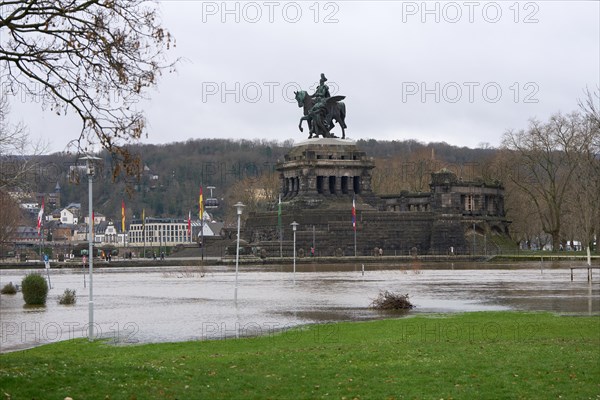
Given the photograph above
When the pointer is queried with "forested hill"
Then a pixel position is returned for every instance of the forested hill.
(444, 152)
(173, 173)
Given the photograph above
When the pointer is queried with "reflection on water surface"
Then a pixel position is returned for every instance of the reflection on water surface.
(184, 303)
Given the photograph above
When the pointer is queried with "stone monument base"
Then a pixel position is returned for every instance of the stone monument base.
(322, 178)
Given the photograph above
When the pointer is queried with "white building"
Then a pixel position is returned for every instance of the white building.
(98, 218)
(30, 206)
(67, 217)
(107, 233)
(169, 231)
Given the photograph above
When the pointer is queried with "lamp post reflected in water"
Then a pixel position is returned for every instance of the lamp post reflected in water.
(294, 226)
(239, 206)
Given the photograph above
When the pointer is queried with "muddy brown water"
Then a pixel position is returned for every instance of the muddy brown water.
(170, 304)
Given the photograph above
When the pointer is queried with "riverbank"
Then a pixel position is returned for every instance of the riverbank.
(470, 355)
(482, 261)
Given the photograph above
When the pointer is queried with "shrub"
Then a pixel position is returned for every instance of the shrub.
(68, 297)
(391, 301)
(9, 288)
(35, 289)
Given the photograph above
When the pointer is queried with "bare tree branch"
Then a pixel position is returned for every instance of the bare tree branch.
(546, 160)
(95, 57)
(17, 153)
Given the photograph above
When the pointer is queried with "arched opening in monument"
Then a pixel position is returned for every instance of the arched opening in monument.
(332, 184)
(356, 184)
(344, 184)
(320, 184)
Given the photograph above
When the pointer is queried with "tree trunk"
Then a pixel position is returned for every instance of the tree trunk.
(555, 241)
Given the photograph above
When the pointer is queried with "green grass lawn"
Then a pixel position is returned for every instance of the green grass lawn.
(484, 355)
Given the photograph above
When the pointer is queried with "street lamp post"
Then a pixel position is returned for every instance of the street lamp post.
(474, 237)
(91, 171)
(314, 246)
(294, 226)
(239, 206)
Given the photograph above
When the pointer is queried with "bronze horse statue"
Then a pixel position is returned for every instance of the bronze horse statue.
(320, 113)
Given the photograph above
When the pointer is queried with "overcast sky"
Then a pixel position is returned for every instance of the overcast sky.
(458, 72)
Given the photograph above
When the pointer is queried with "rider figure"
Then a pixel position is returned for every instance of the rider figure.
(319, 112)
(322, 90)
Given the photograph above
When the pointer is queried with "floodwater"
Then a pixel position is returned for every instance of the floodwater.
(169, 304)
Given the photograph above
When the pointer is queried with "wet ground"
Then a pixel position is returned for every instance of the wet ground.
(166, 304)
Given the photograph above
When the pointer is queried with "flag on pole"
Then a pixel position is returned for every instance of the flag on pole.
(143, 219)
(92, 222)
(40, 218)
(189, 222)
(201, 205)
(353, 214)
(279, 212)
(122, 215)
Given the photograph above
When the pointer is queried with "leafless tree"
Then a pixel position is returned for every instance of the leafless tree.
(10, 218)
(17, 152)
(387, 176)
(525, 223)
(412, 173)
(94, 57)
(254, 192)
(544, 164)
(585, 209)
(590, 106)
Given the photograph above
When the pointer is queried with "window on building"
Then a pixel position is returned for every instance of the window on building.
(356, 184)
(469, 202)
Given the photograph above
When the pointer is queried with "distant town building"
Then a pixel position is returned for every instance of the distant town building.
(63, 232)
(51, 200)
(67, 217)
(170, 231)
(98, 218)
(33, 206)
(26, 234)
(106, 232)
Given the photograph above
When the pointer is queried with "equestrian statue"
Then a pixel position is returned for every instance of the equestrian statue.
(320, 110)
